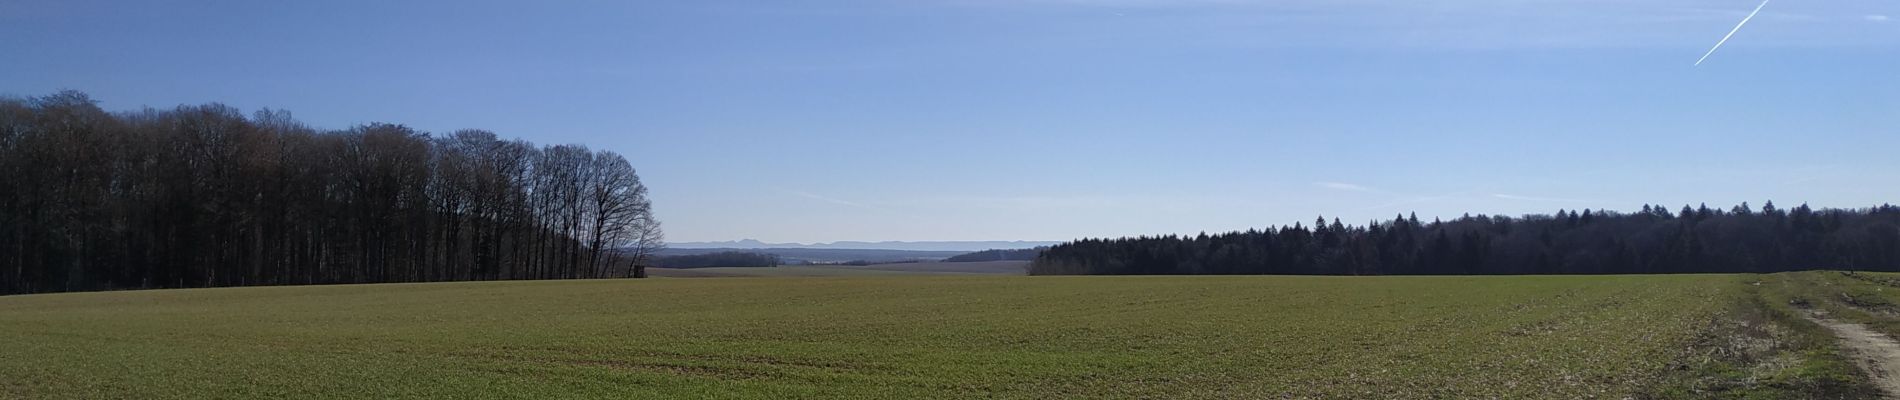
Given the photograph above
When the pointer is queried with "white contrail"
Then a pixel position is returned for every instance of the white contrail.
(1731, 33)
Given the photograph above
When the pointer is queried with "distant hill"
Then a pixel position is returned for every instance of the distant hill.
(956, 246)
(998, 255)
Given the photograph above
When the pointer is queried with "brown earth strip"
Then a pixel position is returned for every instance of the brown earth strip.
(1877, 354)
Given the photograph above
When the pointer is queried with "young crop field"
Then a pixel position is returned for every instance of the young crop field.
(1870, 298)
(895, 269)
(1551, 337)
(779, 271)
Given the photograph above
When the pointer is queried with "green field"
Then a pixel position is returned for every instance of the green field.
(1557, 337)
(1867, 298)
(895, 269)
(779, 271)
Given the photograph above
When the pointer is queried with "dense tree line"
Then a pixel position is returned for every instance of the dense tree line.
(720, 259)
(998, 255)
(200, 196)
(1654, 240)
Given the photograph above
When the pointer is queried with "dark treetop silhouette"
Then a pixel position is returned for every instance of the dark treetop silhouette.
(1653, 240)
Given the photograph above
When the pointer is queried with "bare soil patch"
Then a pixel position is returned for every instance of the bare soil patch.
(1877, 354)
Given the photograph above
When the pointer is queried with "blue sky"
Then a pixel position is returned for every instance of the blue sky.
(814, 121)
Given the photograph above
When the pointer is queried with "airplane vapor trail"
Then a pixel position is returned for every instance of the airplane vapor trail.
(1731, 33)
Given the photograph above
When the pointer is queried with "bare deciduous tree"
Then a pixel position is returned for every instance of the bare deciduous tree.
(203, 196)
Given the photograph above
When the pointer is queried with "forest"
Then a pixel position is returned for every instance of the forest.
(204, 196)
(1653, 240)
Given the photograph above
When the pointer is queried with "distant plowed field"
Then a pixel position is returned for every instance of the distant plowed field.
(871, 337)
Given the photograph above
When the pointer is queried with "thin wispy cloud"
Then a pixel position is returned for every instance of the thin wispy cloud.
(1414, 200)
(1035, 202)
(1346, 187)
(1045, 203)
(1536, 198)
(1464, 24)
(1877, 18)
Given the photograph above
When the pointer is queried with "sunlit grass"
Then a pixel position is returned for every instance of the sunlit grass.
(866, 337)
(779, 271)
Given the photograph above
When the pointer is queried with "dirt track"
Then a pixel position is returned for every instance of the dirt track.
(1878, 354)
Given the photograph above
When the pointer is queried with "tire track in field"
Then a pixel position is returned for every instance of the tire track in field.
(1875, 353)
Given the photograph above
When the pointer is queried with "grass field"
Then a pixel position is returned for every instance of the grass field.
(867, 337)
(1870, 298)
(897, 269)
(977, 267)
(779, 271)
(873, 337)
